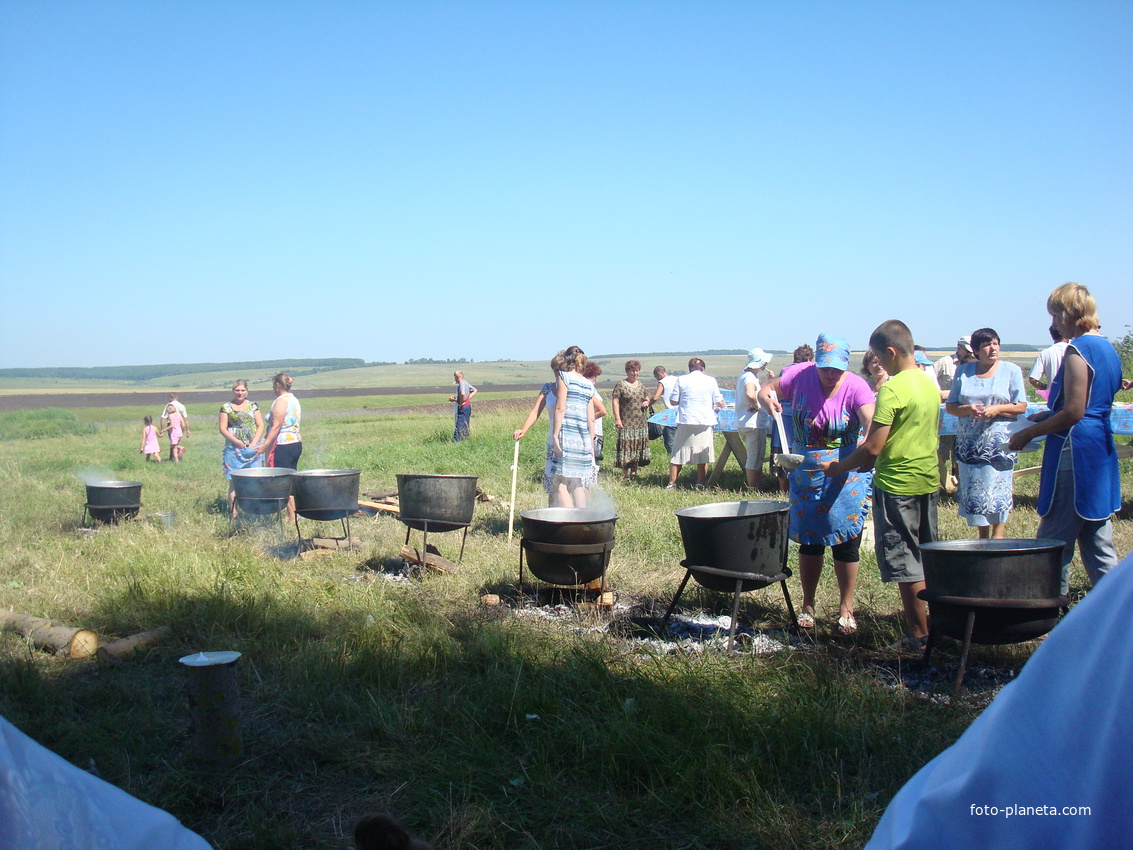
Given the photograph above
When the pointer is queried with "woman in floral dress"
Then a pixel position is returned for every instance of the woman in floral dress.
(631, 400)
(241, 424)
(986, 396)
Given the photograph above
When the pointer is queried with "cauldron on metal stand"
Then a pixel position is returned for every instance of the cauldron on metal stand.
(991, 591)
(436, 503)
(568, 547)
(262, 490)
(735, 546)
(111, 501)
(324, 495)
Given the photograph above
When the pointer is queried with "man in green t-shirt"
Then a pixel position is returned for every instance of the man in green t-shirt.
(901, 446)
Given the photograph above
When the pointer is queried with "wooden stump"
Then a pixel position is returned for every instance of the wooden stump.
(214, 712)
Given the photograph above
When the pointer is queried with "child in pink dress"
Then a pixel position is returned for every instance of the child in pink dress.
(150, 447)
(175, 429)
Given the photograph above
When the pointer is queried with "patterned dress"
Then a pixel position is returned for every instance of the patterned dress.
(986, 467)
(825, 511)
(577, 460)
(633, 437)
(242, 426)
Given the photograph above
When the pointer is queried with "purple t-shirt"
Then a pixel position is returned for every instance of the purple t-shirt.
(820, 422)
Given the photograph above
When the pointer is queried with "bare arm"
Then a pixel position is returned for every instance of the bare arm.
(657, 394)
(599, 407)
(557, 419)
(278, 411)
(532, 416)
(764, 396)
(222, 426)
(1075, 389)
(863, 456)
(617, 409)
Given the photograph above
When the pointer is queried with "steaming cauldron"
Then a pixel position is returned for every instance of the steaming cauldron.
(111, 501)
(734, 547)
(991, 591)
(566, 546)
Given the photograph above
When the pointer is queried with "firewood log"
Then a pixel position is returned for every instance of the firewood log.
(120, 650)
(47, 634)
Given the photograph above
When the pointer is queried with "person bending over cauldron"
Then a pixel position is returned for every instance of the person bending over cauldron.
(986, 396)
(831, 409)
(697, 397)
(242, 425)
(283, 443)
(573, 470)
(1080, 484)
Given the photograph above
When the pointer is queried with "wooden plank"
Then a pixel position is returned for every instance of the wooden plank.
(733, 445)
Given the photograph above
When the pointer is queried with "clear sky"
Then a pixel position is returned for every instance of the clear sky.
(208, 181)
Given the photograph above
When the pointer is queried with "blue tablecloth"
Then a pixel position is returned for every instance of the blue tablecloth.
(1121, 417)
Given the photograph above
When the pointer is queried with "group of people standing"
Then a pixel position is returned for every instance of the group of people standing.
(869, 443)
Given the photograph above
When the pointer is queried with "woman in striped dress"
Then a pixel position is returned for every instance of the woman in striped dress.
(573, 470)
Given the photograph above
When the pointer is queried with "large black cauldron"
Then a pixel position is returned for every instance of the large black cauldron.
(991, 591)
(1013, 586)
(734, 547)
(567, 546)
(445, 502)
(436, 503)
(741, 537)
(326, 494)
(111, 501)
(262, 490)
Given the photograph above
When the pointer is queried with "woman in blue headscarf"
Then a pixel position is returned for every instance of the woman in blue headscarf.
(831, 409)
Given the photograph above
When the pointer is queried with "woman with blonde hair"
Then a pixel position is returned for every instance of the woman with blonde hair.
(242, 425)
(283, 443)
(1080, 487)
(573, 470)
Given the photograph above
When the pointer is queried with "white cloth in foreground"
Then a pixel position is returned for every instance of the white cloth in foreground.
(46, 803)
(1054, 740)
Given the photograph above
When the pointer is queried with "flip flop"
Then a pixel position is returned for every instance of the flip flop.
(806, 620)
(847, 626)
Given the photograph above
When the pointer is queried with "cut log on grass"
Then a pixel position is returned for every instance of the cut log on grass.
(378, 507)
(47, 634)
(428, 559)
(121, 650)
(334, 542)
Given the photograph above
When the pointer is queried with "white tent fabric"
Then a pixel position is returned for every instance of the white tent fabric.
(1045, 765)
(46, 803)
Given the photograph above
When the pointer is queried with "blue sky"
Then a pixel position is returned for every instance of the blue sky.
(208, 181)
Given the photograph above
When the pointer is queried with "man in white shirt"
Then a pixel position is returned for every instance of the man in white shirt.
(163, 420)
(1048, 362)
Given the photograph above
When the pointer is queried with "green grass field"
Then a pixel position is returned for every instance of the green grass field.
(479, 726)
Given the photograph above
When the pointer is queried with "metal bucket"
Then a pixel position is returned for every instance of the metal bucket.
(1016, 571)
(445, 501)
(567, 527)
(745, 537)
(110, 501)
(262, 490)
(326, 494)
